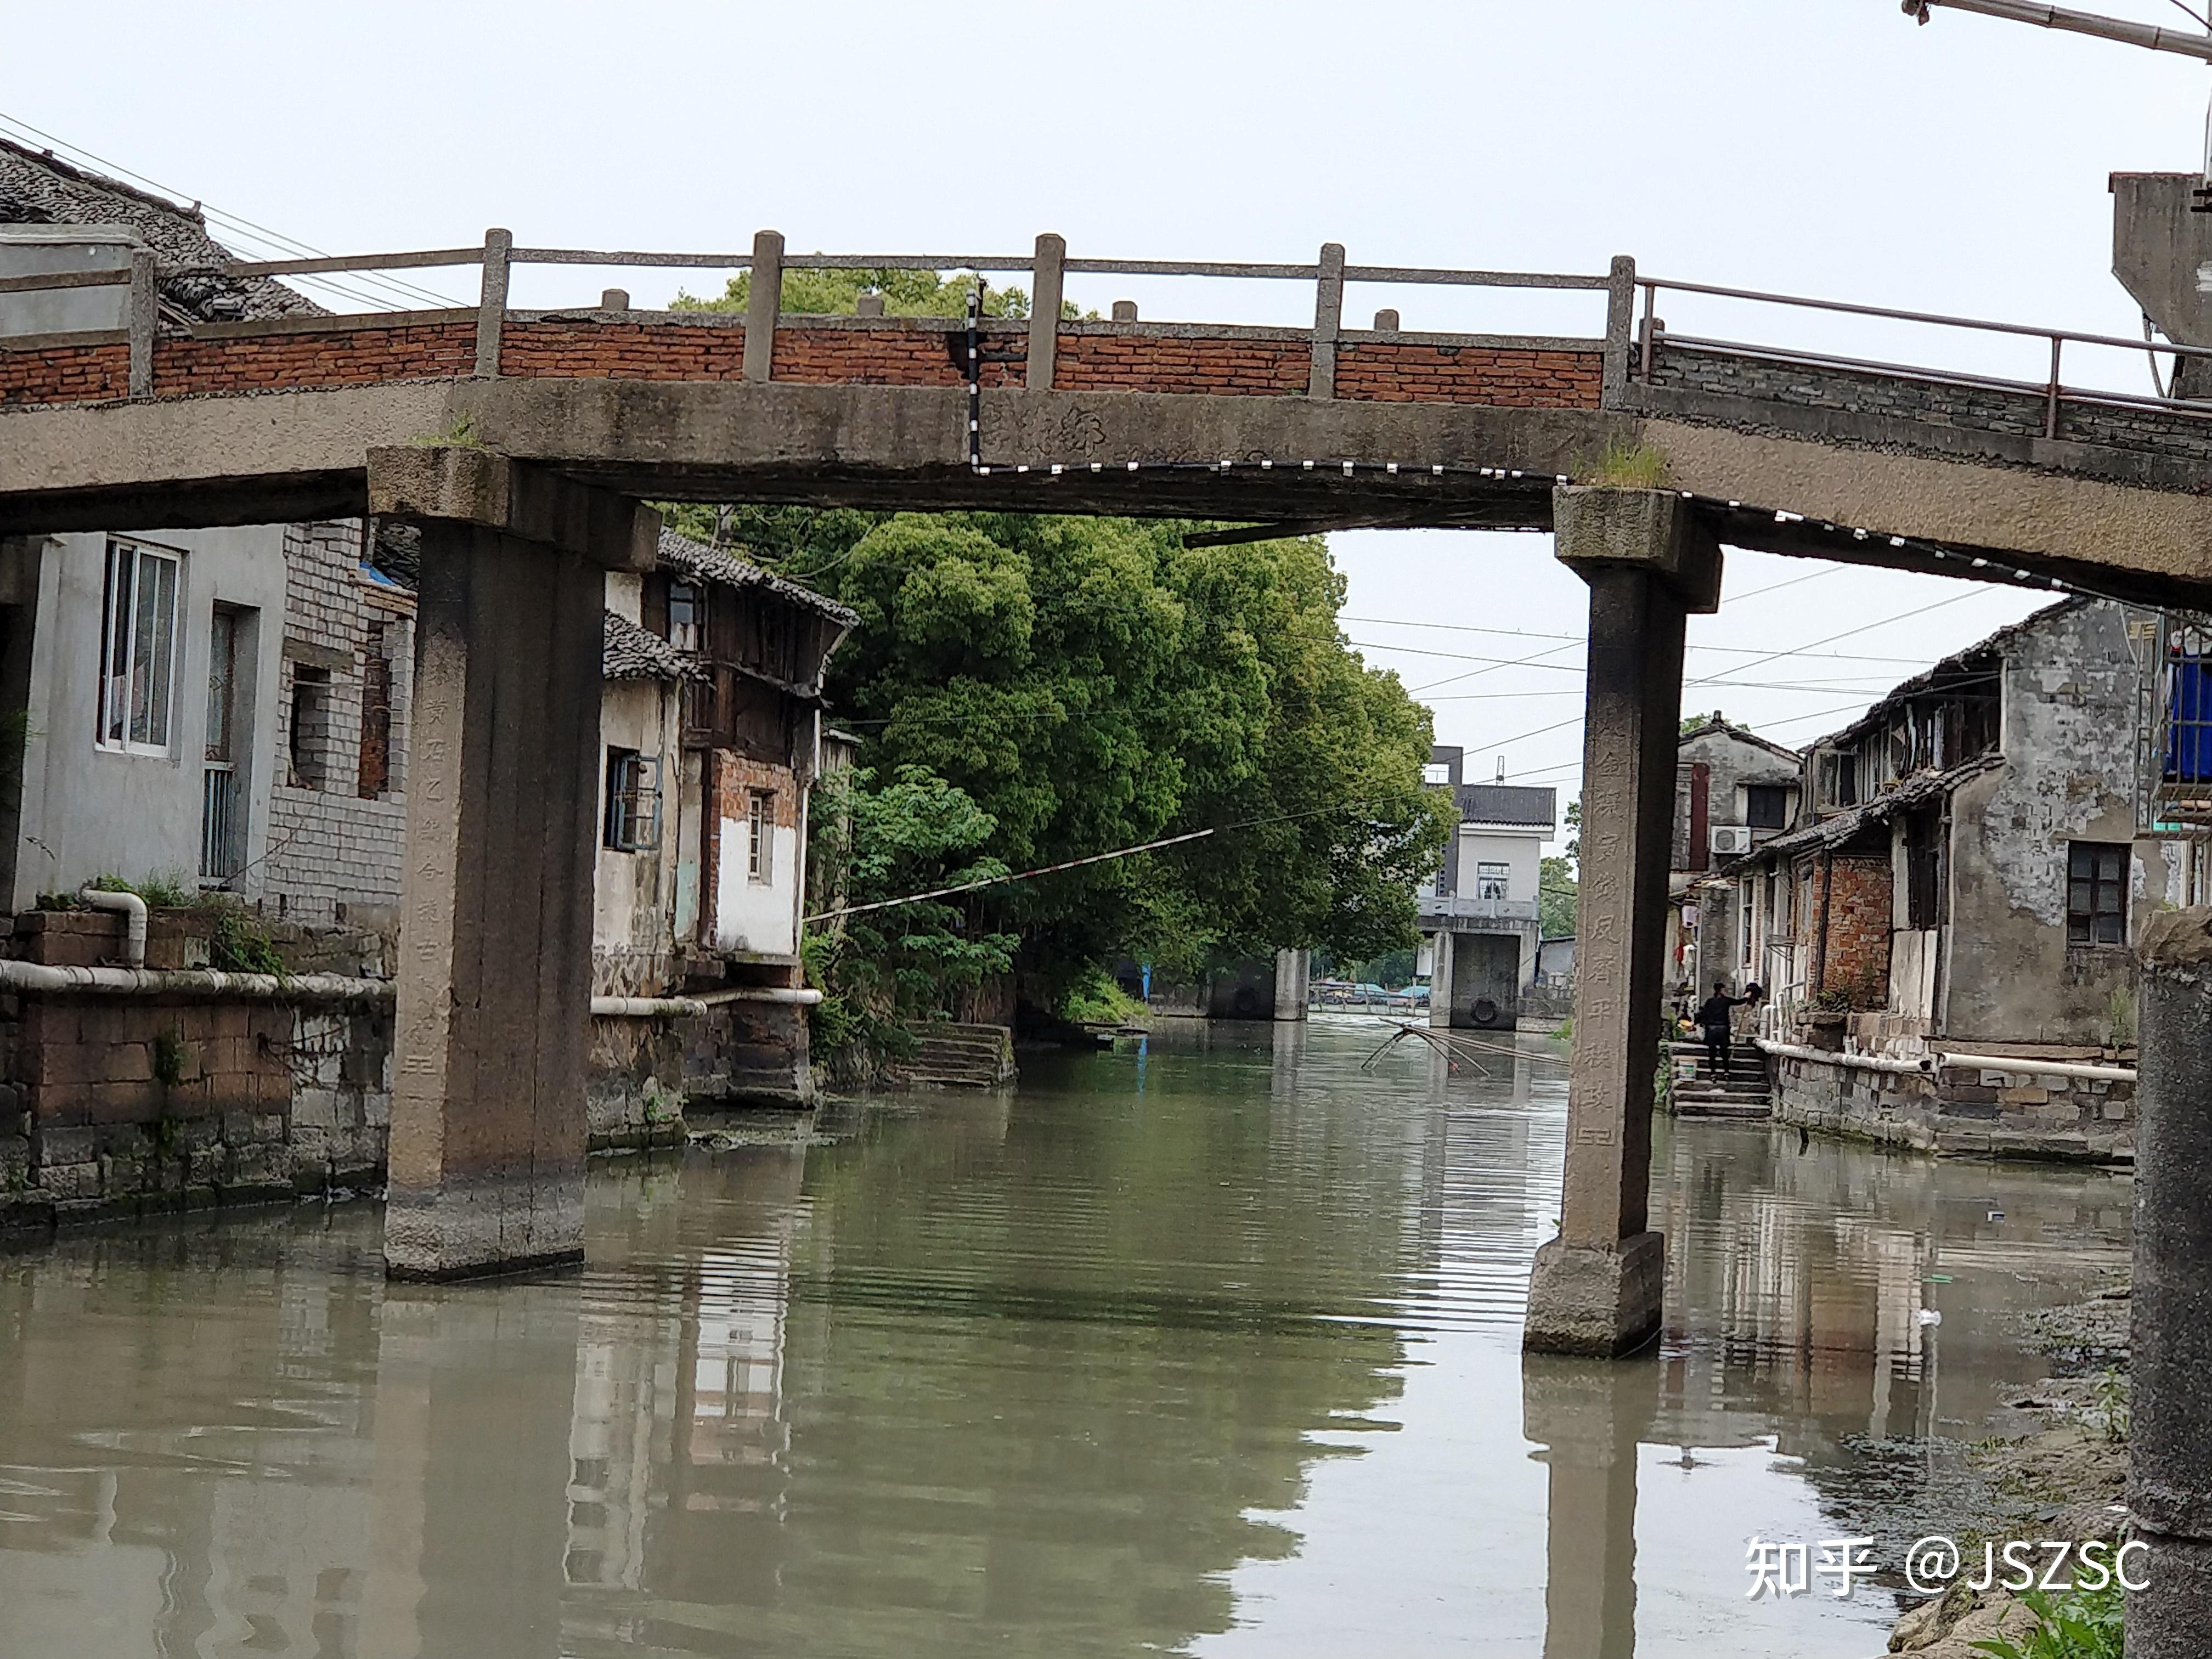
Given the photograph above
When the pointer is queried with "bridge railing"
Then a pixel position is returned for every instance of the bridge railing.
(1634, 347)
(1652, 337)
(1046, 266)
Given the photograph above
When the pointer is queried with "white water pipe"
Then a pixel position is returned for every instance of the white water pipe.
(194, 981)
(647, 1008)
(2015, 1066)
(1861, 1062)
(693, 1007)
(134, 928)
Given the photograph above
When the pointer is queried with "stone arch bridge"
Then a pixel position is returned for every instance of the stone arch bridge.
(523, 440)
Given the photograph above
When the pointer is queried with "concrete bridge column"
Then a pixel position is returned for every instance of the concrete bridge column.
(2169, 1430)
(488, 1128)
(1596, 1288)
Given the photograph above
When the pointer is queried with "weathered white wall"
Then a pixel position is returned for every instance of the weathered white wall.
(1522, 854)
(634, 894)
(89, 812)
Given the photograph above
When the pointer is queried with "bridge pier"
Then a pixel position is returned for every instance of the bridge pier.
(1596, 1288)
(2170, 1438)
(487, 1130)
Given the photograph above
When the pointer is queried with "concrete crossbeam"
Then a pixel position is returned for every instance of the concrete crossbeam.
(469, 485)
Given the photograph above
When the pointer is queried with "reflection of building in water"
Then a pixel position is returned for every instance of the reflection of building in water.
(679, 1395)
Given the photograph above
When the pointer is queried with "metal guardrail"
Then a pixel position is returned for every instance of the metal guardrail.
(1631, 347)
(1652, 332)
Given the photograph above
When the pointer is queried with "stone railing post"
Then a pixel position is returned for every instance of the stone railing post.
(491, 305)
(1596, 1288)
(2170, 1309)
(1328, 321)
(763, 303)
(1619, 329)
(143, 321)
(1047, 289)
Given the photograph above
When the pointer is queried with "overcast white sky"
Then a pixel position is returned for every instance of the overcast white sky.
(1819, 147)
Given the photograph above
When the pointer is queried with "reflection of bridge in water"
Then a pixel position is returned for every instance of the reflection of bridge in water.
(1060, 1372)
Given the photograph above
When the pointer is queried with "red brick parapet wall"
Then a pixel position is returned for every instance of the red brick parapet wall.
(302, 354)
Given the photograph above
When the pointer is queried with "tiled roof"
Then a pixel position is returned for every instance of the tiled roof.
(636, 653)
(1917, 790)
(37, 188)
(714, 564)
(1506, 802)
(1705, 725)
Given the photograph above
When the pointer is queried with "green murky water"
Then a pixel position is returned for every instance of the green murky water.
(1210, 1347)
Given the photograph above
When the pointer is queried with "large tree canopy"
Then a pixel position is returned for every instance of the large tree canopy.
(1091, 684)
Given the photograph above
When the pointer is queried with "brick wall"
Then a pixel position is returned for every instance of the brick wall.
(65, 374)
(322, 356)
(1130, 361)
(1176, 358)
(1406, 371)
(328, 847)
(1859, 900)
(624, 351)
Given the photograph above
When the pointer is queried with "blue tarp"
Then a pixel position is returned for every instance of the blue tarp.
(2189, 720)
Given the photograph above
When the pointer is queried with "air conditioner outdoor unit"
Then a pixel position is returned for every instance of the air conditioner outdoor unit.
(1731, 838)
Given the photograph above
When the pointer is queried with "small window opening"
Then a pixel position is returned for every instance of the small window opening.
(687, 616)
(375, 717)
(633, 817)
(759, 834)
(309, 727)
(2097, 893)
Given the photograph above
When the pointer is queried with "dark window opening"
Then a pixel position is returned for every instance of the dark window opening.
(760, 837)
(375, 718)
(687, 616)
(1923, 873)
(1766, 806)
(2097, 893)
(632, 815)
(309, 727)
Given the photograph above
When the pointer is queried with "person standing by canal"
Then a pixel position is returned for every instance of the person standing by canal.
(1713, 1017)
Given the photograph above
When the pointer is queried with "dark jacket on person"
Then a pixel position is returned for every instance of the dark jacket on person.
(1713, 1014)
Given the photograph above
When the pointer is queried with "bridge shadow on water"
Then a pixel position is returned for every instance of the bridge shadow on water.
(1208, 1343)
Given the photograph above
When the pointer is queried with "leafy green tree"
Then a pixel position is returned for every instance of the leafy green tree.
(877, 968)
(1556, 898)
(837, 293)
(1093, 684)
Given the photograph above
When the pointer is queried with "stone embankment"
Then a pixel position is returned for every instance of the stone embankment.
(2066, 1481)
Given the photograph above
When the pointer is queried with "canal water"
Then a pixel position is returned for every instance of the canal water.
(1208, 1344)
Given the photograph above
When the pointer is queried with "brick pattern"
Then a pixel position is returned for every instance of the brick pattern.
(1408, 371)
(1858, 922)
(65, 374)
(1091, 357)
(329, 845)
(259, 1101)
(359, 356)
(1182, 363)
(852, 356)
(574, 348)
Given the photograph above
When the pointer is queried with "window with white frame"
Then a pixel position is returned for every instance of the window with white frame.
(138, 647)
(1493, 881)
(760, 830)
